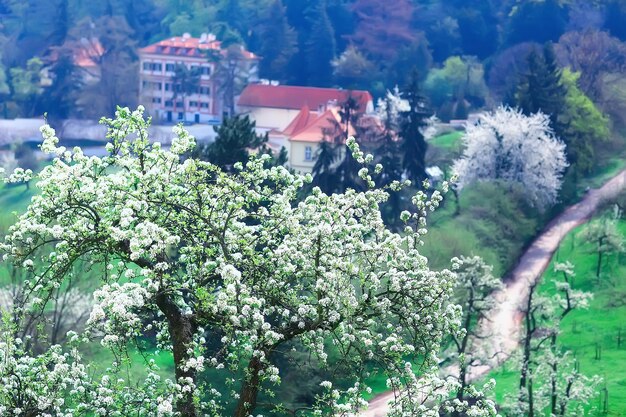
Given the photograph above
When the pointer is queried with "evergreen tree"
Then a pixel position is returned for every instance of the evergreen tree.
(347, 170)
(278, 43)
(232, 14)
(61, 29)
(58, 98)
(235, 137)
(320, 46)
(323, 174)
(537, 21)
(389, 154)
(185, 82)
(413, 145)
(541, 89)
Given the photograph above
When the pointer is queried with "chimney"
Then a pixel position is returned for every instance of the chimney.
(186, 36)
(204, 37)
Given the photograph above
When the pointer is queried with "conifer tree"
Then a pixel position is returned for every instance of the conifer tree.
(347, 171)
(279, 43)
(320, 46)
(413, 145)
(235, 136)
(541, 89)
(323, 175)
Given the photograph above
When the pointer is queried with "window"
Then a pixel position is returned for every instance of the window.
(150, 85)
(204, 105)
(152, 66)
(168, 86)
(308, 153)
(205, 70)
(179, 104)
(170, 67)
(156, 100)
(168, 103)
(193, 104)
(204, 90)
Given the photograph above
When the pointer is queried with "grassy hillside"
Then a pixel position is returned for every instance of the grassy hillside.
(598, 327)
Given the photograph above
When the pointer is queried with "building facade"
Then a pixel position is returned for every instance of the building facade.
(178, 80)
(275, 106)
(303, 136)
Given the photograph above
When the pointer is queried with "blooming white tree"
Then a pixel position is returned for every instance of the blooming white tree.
(229, 270)
(549, 380)
(510, 146)
(390, 107)
(474, 290)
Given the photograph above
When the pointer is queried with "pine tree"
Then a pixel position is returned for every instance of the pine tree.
(185, 82)
(413, 145)
(320, 46)
(279, 43)
(323, 174)
(347, 170)
(541, 89)
(235, 136)
(58, 99)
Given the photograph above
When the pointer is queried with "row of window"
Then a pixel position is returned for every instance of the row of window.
(180, 104)
(158, 67)
(157, 86)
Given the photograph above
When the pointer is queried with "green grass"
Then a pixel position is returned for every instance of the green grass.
(14, 199)
(583, 330)
(447, 140)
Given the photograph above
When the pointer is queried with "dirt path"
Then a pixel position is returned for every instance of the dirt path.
(504, 322)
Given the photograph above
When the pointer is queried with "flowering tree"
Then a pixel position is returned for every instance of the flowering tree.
(507, 145)
(605, 236)
(549, 379)
(474, 290)
(229, 270)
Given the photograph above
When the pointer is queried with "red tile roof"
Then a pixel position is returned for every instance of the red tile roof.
(189, 47)
(293, 97)
(302, 120)
(310, 127)
(86, 53)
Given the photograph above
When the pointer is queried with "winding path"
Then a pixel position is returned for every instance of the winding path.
(504, 322)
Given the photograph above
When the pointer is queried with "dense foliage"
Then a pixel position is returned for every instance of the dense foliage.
(508, 146)
(226, 271)
(348, 43)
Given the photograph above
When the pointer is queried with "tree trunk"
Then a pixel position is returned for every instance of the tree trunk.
(531, 401)
(181, 331)
(553, 394)
(599, 266)
(249, 389)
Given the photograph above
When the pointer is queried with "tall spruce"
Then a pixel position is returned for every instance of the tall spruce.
(320, 46)
(413, 144)
(323, 173)
(347, 170)
(235, 137)
(541, 89)
(278, 43)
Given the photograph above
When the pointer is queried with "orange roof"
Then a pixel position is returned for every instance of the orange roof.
(190, 47)
(302, 120)
(293, 97)
(85, 54)
(316, 127)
